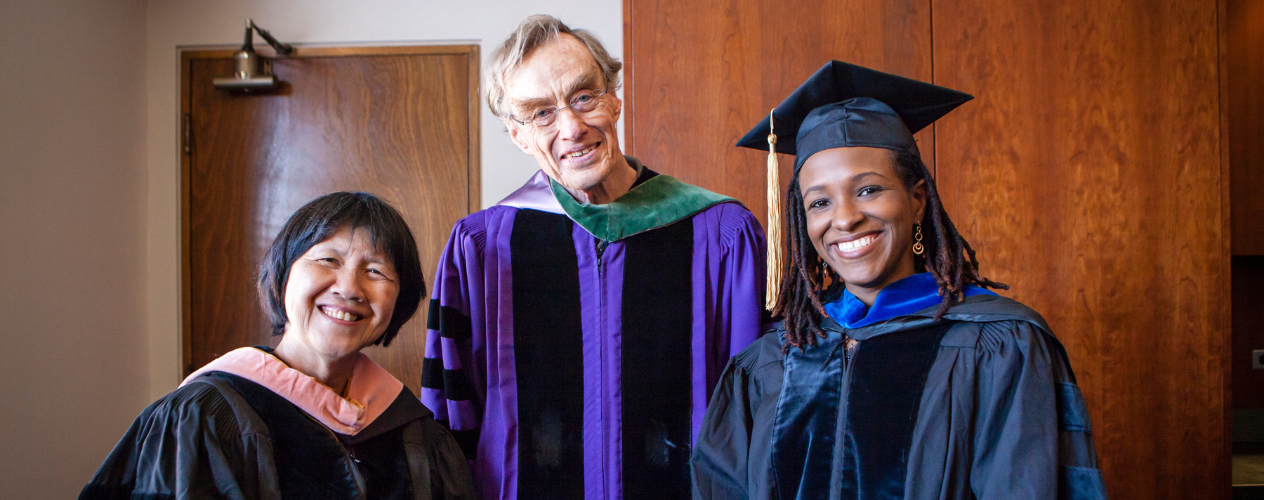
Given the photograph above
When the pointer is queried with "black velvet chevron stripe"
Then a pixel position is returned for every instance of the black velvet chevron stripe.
(888, 376)
(432, 373)
(448, 321)
(455, 384)
(656, 368)
(549, 357)
(451, 324)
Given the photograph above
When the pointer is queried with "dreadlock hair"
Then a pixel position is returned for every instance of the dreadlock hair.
(805, 283)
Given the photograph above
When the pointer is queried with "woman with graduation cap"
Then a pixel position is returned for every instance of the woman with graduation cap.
(895, 372)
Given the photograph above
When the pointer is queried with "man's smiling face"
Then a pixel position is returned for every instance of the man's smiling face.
(578, 150)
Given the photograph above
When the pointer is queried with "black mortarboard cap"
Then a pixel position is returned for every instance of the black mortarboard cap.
(841, 105)
(845, 105)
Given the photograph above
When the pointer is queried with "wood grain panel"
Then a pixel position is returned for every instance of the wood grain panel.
(1088, 176)
(701, 73)
(396, 125)
(1244, 72)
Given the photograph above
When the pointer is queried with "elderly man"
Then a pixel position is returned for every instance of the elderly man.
(578, 327)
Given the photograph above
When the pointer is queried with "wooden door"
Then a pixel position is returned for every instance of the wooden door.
(1087, 173)
(398, 122)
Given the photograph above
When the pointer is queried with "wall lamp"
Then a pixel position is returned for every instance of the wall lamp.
(253, 71)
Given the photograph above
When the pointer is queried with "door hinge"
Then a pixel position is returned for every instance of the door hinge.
(188, 134)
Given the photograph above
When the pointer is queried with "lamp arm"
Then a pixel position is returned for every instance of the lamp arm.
(281, 48)
(248, 42)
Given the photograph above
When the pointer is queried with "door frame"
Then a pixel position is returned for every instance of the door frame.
(188, 55)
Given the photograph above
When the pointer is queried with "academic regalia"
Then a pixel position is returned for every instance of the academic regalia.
(247, 426)
(893, 404)
(982, 404)
(572, 347)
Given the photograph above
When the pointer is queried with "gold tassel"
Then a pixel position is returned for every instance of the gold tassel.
(776, 257)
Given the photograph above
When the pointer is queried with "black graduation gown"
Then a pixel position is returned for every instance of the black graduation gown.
(222, 436)
(981, 405)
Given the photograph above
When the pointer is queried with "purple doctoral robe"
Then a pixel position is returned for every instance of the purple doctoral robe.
(577, 363)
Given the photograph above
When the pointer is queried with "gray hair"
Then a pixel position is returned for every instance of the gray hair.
(533, 32)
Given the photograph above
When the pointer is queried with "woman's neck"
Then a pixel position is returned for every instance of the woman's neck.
(334, 373)
(868, 294)
(864, 295)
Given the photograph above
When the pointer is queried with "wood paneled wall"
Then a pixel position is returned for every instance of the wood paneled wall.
(1088, 176)
(1087, 173)
(1244, 76)
(1244, 72)
(700, 73)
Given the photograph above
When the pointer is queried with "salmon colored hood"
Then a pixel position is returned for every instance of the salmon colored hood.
(369, 392)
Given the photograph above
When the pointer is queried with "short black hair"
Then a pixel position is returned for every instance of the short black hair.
(321, 218)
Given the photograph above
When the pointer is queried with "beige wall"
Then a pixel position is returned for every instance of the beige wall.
(73, 370)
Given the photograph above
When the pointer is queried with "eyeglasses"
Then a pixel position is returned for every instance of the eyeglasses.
(583, 102)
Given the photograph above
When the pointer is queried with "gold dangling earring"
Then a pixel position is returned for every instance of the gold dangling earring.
(918, 249)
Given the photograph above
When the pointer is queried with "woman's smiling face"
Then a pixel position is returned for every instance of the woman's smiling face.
(861, 217)
(340, 295)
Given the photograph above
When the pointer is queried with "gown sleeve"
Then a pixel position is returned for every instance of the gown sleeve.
(189, 444)
(741, 296)
(444, 467)
(1033, 437)
(447, 386)
(731, 456)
